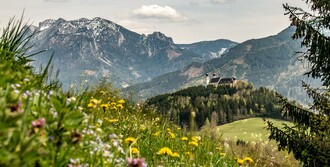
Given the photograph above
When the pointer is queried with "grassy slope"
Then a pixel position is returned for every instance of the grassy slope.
(251, 129)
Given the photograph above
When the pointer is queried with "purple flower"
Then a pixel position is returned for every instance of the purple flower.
(137, 162)
(39, 123)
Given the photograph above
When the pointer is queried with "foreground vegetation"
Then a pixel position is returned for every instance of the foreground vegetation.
(41, 125)
(309, 138)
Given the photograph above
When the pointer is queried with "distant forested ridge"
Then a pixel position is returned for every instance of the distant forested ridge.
(229, 102)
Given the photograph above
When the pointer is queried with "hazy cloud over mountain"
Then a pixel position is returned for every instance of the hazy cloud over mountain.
(159, 12)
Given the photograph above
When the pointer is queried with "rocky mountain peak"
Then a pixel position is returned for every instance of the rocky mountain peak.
(96, 24)
(99, 23)
(159, 40)
(159, 36)
(46, 24)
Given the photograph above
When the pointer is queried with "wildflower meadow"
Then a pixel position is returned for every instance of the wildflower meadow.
(91, 125)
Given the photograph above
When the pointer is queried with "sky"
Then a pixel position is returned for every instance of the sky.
(185, 21)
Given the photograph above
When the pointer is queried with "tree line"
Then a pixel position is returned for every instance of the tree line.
(230, 103)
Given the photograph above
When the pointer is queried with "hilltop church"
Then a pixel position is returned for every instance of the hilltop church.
(220, 81)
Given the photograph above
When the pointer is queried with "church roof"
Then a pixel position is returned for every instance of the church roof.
(227, 80)
(215, 80)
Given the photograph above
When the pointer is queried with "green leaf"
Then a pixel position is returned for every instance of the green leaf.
(72, 119)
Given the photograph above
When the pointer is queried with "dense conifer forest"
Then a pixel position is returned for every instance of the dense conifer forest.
(229, 102)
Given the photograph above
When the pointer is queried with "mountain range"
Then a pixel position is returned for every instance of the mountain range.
(149, 65)
(91, 49)
(269, 62)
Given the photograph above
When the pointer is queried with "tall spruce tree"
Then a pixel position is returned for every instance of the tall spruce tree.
(309, 138)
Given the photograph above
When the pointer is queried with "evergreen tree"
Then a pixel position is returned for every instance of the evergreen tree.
(309, 138)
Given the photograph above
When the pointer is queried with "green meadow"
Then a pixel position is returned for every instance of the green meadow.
(252, 129)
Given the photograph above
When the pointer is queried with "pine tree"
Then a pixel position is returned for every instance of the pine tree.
(309, 138)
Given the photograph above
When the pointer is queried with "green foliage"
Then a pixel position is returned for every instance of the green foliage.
(309, 138)
(14, 44)
(36, 118)
(230, 103)
(312, 27)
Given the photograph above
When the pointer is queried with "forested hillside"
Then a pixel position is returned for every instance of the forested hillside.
(227, 103)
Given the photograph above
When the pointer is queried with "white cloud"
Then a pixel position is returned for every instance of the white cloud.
(159, 12)
(222, 1)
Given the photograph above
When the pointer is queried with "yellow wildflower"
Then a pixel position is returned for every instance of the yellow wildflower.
(121, 101)
(165, 151)
(175, 154)
(196, 138)
(239, 161)
(120, 106)
(104, 106)
(222, 154)
(113, 104)
(193, 143)
(90, 105)
(157, 133)
(130, 140)
(172, 135)
(110, 120)
(113, 120)
(184, 138)
(248, 160)
(93, 103)
(169, 130)
(135, 151)
(178, 128)
(113, 108)
(218, 148)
